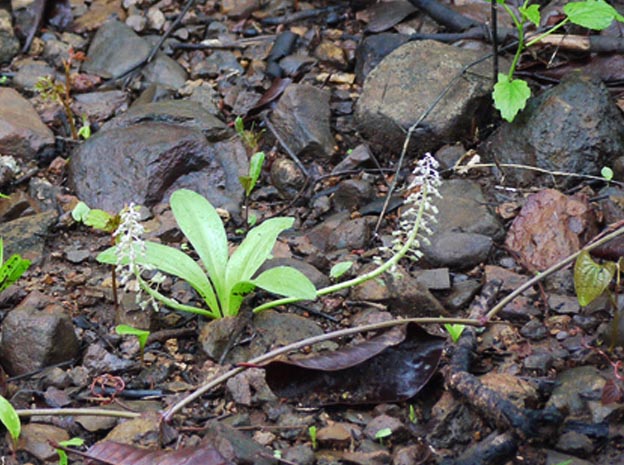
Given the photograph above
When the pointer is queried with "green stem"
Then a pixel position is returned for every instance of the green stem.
(547, 33)
(172, 303)
(367, 276)
(519, 50)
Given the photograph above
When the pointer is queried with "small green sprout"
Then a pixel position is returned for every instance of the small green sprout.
(3, 80)
(250, 138)
(412, 415)
(455, 331)
(12, 269)
(85, 129)
(249, 182)
(140, 334)
(339, 269)
(606, 173)
(312, 433)
(382, 434)
(10, 420)
(73, 442)
(97, 219)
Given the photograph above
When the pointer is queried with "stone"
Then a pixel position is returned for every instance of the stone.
(235, 446)
(142, 431)
(407, 82)
(100, 12)
(301, 118)
(373, 49)
(575, 443)
(35, 334)
(574, 387)
(29, 72)
(286, 177)
(165, 71)
(249, 388)
(534, 330)
(27, 235)
(382, 422)
(557, 458)
(339, 232)
(352, 193)
(98, 360)
(22, 134)
(457, 250)
(100, 106)
(37, 439)
(539, 362)
(574, 127)
(518, 391)
(300, 454)
(334, 436)
(155, 149)
(9, 45)
(115, 50)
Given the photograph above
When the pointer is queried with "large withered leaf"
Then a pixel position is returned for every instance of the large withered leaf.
(114, 453)
(383, 16)
(391, 367)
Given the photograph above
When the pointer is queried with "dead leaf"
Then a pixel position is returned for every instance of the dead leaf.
(114, 453)
(391, 367)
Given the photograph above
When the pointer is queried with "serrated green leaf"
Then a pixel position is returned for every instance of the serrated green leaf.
(591, 278)
(592, 14)
(12, 270)
(339, 269)
(201, 224)
(10, 419)
(510, 96)
(286, 281)
(531, 13)
(606, 173)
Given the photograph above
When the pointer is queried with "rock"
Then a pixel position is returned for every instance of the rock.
(100, 106)
(100, 12)
(335, 436)
(115, 50)
(574, 387)
(356, 158)
(550, 227)
(557, 458)
(534, 330)
(457, 249)
(564, 304)
(404, 295)
(165, 71)
(383, 422)
(301, 118)
(518, 391)
(22, 134)
(452, 423)
(272, 329)
(286, 177)
(27, 235)
(36, 439)
(574, 127)
(405, 84)
(328, 52)
(98, 360)
(462, 293)
(373, 49)
(438, 279)
(352, 193)
(575, 443)
(29, 72)
(300, 454)
(219, 62)
(235, 446)
(250, 388)
(142, 431)
(410, 455)
(150, 156)
(9, 45)
(540, 362)
(339, 232)
(36, 334)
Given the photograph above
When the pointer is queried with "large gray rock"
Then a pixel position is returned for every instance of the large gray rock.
(574, 127)
(155, 149)
(27, 235)
(36, 334)
(301, 117)
(115, 50)
(408, 81)
(9, 45)
(22, 134)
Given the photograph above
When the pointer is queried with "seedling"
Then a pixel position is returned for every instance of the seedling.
(3, 80)
(85, 129)
(312, 433)
(73, 442)
(606, 173)
(455, 331)
(12, 269)
(249, 182)
(591, 279)
(412, 415)
(10, 420)
(140, 334)
(228, 278)
(339, 269)
(382, 434)
(511, 94)
(249, 137)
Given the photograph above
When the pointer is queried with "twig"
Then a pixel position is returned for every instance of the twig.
(285, 146)
(167, 416)
(556, 267)
(174, 25)
(94, 412)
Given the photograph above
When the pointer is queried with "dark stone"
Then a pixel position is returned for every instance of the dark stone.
(534, 330)
(373, 49)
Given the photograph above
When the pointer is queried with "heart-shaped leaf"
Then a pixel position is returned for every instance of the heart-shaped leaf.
(591, 278)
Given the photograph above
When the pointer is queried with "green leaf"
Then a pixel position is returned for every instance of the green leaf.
(201, 224)
(592, 14)
(286, 281)
(383, 433)
(12, 270)
(255, 250)
(606, 173)
(239, 125)
(531, 13)
(80, 212)
(10, 420)
(339, 269)
(99, 219)
(591, 278)
(510, 96)
(235, 299)
(171, 261)
(455, 331)
(1, 251)
(140, 334)
(73, 442)
(255, 169)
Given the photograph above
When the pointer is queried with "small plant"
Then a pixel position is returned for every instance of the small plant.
(249, 182)
(60, 92)
(249, 137)
(73, 442)
(4, 80)
(12, 269)
(85, 128)
(10, 420)
(412, 415)
(228, 278)
(339, 269)
(455, 331)
(606, 173)
(382, 434)
(591, 279)
(312, 433)
(140, 334)
(511, 94)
